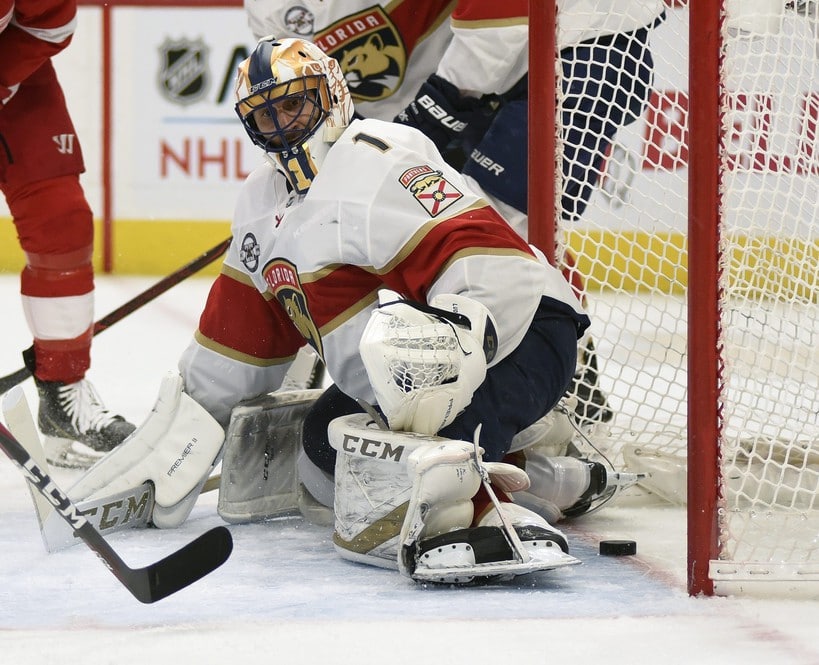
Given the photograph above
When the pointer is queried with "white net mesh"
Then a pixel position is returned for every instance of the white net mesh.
(630, 247)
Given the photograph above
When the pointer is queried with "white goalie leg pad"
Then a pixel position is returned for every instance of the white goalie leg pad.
(175, 449)
(373, 490)
(262, 445)
(556, 483)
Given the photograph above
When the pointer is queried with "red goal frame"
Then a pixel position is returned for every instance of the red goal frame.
(704, 207)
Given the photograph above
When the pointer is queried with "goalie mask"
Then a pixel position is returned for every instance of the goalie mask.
(294, 104)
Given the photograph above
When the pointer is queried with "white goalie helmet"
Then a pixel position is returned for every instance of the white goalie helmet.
(424, 363)
(294, 104)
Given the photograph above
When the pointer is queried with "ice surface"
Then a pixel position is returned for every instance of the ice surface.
(284, 596)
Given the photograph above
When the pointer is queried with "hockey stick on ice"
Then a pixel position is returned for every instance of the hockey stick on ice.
(148, 584)
(9, 381)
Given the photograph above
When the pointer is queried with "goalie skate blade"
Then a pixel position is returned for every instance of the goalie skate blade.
(453, 566)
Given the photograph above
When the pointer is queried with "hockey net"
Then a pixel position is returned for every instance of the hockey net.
(740, 293)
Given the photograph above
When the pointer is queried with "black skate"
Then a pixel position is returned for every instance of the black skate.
(604, 485)
(77, 428)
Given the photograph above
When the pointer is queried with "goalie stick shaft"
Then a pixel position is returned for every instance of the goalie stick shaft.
(148, 584)
(10, 380)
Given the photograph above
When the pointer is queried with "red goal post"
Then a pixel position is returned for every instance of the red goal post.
(699, 254)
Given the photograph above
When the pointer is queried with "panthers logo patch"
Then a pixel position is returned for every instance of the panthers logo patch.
(283, 279)
(430, 189)
(371, 53)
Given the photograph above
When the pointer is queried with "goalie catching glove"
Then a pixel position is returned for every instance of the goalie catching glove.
(424, 362)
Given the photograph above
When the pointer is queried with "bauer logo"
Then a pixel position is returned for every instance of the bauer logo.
(183, 75)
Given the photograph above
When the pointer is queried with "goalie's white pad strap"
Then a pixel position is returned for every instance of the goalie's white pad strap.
(507, 477)
(175, 448)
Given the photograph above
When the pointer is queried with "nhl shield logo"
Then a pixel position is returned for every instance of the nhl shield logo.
(183, 76)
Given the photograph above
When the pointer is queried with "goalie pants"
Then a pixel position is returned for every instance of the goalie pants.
(40, 164)
(517, 391)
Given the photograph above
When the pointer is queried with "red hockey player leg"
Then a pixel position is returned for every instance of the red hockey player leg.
(55, 227)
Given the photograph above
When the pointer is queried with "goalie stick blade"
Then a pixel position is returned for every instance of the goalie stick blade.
(178, 570)
(148, 584)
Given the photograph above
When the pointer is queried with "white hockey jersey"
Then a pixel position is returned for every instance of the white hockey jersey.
(385, 211)
(388, 49)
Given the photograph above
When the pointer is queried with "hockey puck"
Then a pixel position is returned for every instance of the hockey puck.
(618, 547)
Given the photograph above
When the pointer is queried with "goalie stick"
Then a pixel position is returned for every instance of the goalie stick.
(10, 380)
(148, 584)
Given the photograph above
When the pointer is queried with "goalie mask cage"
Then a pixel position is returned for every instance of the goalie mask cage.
(698, 256)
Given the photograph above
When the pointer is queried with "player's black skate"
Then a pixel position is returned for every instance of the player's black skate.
(604, 484)
(76, 427)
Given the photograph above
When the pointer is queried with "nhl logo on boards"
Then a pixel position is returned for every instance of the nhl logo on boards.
(183, 75)
(430, 188)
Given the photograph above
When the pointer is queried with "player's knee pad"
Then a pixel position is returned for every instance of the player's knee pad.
(388, 484)
(499, 162)
(550, 435)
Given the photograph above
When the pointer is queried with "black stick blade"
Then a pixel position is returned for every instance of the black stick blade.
(182, 568)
